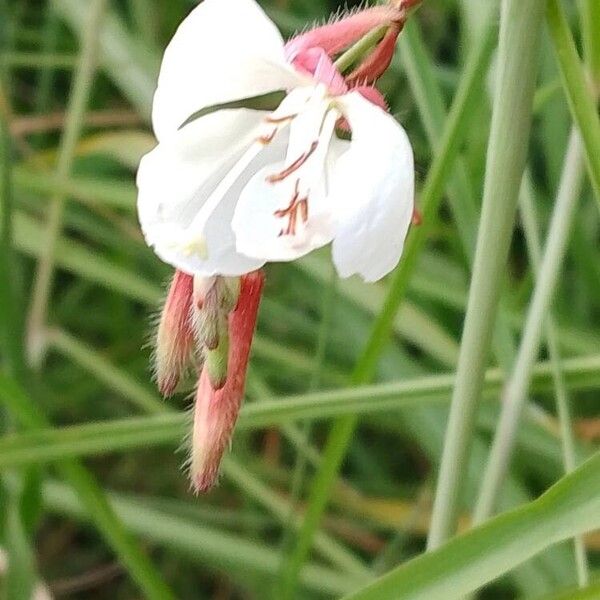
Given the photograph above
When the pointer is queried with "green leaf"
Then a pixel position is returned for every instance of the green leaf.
(581, 100)
(469, 561)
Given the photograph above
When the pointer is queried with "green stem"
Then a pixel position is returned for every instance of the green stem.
(431, 197)
(530, 226)
(516, 388)
(360, 48)
(301, 464)
(520, 24)
(581, 100)
(78, 100)
(92, 498)
(167, 428)
(590, 26)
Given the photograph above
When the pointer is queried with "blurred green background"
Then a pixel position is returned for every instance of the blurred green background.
(312, 328)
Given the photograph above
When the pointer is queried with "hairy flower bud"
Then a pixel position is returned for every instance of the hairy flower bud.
(377, 62)
(339, 35)
(174, 337)
(216, 410)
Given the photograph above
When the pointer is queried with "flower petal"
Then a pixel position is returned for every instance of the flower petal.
(176, 179)
(259, 232)
(372, 192)
(282, 213)
(224, 50)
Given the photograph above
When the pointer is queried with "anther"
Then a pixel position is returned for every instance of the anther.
(294, 166)
(290, 212)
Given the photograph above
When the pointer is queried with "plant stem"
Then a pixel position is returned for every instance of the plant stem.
(590, 26)
(92, 498)
(516, 388)
(530, 225)
(431, 197)
(581, 100)
(360, 48)
(78, 100)
(520, 24)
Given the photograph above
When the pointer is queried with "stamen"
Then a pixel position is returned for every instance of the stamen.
(267, 139)
(291, 212)
(278, 120)
(294, 166)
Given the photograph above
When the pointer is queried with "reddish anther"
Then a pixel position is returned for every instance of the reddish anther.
(417, 217)
(294, 166)
(296, 205)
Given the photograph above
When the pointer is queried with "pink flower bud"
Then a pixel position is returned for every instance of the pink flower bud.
(377, 62)
(174, 338)
(216, 410)
(337, 36)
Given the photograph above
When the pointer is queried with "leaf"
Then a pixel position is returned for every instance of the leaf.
(469, 561)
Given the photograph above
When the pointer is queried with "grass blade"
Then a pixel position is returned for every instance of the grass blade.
(581, 100)
(520, 24)
(569, 508)
(93, 499)
(516, 387)
(431, 196)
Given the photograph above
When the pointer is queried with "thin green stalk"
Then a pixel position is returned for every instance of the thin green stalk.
(581, 99)
(205, 546)
(94, 439)
(430, 102)
(589, 11)
(20, 577)
(21, 573)
(520, 24)
(530, 226)
(360, 48)
(82, 84)
(431, 197)
(93, 499)
(301, 463)
(516, 387)
(10, 318)
(105, 371)
(36, 60)
(131, 389)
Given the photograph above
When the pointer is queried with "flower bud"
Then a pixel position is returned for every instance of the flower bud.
(174, 337)
(376, 63)
(339, 35)
(216, 410)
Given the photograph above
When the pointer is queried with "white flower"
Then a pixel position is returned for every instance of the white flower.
(235, 188)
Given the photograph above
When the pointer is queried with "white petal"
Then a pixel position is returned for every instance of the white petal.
(258, 230)
(175, 181)
(372, 192)
(224, 50)
(262, 232)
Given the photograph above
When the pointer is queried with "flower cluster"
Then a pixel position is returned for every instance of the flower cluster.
(266, 151)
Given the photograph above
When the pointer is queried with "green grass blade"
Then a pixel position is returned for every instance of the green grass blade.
(93, 499)
(581, 100)
(517, 385)
(520, 24)
(569, 508)
(51, 444)
(431, 196)
(78, 101)
(567, 437)
(204, 545)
